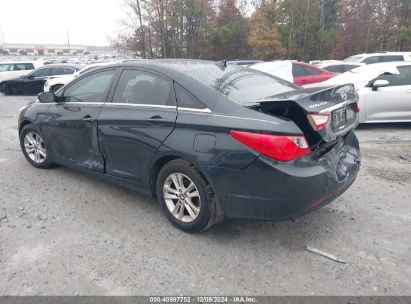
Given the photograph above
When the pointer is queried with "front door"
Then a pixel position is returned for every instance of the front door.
(72, 121)
(133, 126)
(393, 102)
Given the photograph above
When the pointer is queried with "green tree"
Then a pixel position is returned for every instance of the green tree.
(264, 38)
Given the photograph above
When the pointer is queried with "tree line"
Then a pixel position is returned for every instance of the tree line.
(263, 29)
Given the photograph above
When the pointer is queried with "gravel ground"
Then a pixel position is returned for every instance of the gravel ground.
(66, 233)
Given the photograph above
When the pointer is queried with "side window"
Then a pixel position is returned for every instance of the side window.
(19, 67)
(298, 71)
(43, 72)
(334, 68)
(310, 71)
(186, 100)
(371, 60)
(141, 87)
(92, 88)
(404, 78)
(349, 67)
(67, 71)
(29, 66)
(57, 71)
(391, 58)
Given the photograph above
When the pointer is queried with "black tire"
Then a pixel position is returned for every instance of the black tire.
(55, 87)
(207, 210)
(7, 91)
(44, 163)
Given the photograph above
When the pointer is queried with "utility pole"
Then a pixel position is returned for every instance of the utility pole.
(68, 41)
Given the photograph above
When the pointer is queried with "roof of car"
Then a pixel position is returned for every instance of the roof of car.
(62, 65)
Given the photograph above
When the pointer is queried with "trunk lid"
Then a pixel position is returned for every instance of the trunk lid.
(340, 103)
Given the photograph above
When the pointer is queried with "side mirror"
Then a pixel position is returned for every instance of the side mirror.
(46, 97)
(380, 83)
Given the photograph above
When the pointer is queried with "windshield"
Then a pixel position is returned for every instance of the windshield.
(242, 85)
(354, 59)
(6, 67)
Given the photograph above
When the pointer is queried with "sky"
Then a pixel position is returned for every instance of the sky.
(89, 22)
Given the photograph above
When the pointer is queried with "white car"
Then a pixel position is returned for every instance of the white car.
(379, 57)
(384, 91)
(13, 69)
(54, 83)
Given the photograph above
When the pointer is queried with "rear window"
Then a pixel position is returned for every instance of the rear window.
(241, 85)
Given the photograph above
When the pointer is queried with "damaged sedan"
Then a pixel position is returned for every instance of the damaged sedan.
(206, 139)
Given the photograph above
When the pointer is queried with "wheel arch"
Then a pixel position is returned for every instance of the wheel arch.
(23, 124)
(162, 161)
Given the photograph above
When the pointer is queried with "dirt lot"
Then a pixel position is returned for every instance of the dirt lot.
(65, 233)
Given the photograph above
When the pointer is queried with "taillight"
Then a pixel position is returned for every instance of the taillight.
(280, 147)
(318, 121)
(356, 107)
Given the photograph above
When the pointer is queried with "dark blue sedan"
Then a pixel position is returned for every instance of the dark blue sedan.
(209, 141)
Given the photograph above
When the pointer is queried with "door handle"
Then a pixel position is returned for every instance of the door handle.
(157, 120)
(88, 119)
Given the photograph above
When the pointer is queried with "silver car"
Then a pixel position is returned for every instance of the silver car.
(384, 90)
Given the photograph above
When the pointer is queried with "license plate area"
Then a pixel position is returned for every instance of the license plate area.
(339, 119)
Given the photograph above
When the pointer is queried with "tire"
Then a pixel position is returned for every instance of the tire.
(31, 140)
(54, 88)
(196, 214)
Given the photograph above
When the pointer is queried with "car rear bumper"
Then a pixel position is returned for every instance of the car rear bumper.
(272, 190)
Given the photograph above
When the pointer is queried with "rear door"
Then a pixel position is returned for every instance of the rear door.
(72, 122)
(133, 126)
(390, 103)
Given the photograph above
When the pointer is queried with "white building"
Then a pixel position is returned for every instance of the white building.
(42, 49)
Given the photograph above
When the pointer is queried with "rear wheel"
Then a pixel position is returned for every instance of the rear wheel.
(185, 197)
(34, 148)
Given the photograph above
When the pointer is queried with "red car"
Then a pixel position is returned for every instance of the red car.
(304, 73)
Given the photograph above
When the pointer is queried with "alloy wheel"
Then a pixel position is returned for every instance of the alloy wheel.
(34, 146)
(182, 197)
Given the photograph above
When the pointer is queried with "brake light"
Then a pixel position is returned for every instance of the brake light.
(356, 107)
(318, 121)
(280, 147)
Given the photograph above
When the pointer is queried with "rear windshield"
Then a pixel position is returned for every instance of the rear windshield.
(242, 85)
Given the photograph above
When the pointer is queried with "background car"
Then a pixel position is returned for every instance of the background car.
(33, 83)
(294, 71)
(379, 57)
(384, 91)
(56, 82)
(13, 69)
(206, 139)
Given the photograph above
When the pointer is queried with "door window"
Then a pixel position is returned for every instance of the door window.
(310, 71)
(44, 72)
(92, 88)
(20, 67)
(334, 68)
(298, 71)
(404, 78)
(141, 87)
(391, 58)
(371, 60)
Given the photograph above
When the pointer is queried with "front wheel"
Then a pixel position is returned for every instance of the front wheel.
(34, 148)
(185, 197)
